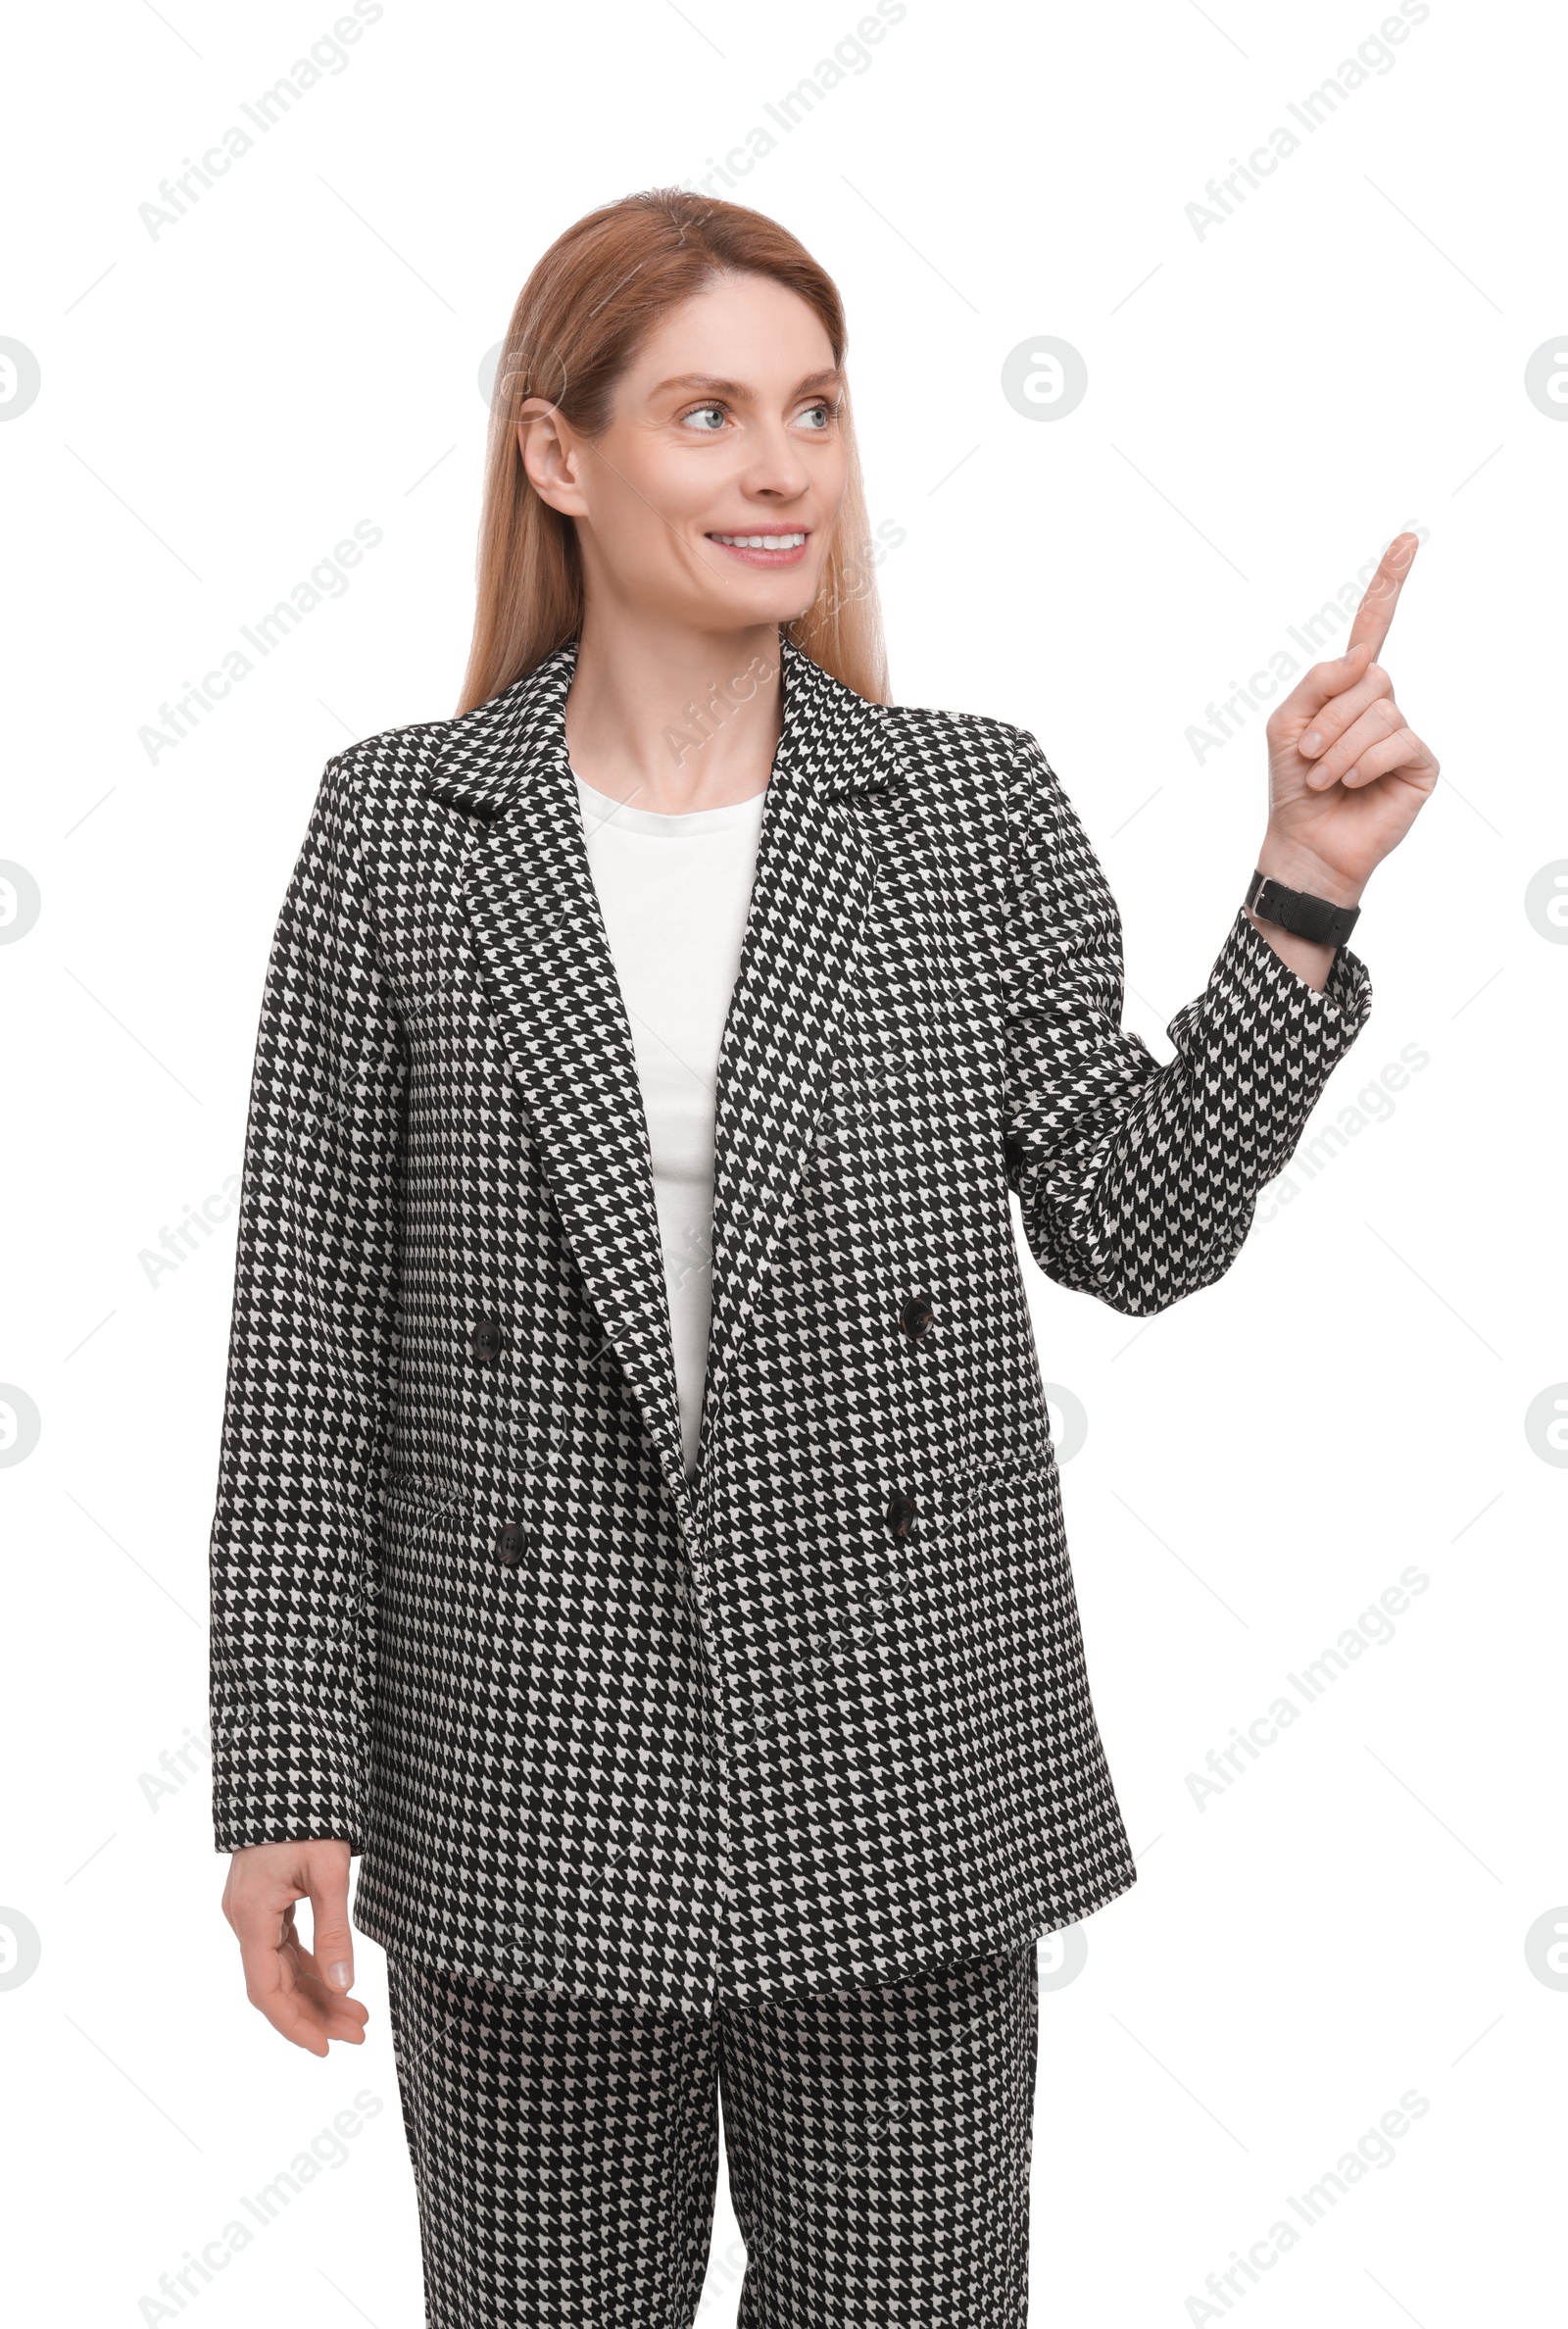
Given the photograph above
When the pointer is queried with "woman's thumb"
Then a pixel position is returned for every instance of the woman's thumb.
(332, 1940)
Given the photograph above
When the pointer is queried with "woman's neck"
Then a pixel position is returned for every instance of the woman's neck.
(671, 719)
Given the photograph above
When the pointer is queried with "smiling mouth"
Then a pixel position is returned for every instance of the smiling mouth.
(764, 549)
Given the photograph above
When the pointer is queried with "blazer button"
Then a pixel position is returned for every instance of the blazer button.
(510, 1544)
(900, 1518)
(487, 1340)
(916, 1316)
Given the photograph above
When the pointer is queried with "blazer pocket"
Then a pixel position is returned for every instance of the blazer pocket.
(1004, 1509)
(969, 1484)
(410, 1512)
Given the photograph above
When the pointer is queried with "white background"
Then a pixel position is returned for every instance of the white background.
(1267, 404)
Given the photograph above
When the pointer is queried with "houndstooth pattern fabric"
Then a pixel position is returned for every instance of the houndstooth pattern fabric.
(566, 2152)
(819, 1716)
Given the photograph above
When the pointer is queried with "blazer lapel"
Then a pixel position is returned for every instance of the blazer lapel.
(811, 894)
(545, 957)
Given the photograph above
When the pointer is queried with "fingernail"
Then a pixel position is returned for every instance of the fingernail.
(1311, 743)
(339, 1975)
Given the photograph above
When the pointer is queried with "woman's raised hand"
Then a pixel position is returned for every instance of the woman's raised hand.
(1347, 775)
(292, 1985)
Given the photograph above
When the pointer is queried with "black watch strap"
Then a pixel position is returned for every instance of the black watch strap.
(1317, 919)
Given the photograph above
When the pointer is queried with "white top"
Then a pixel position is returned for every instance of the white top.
(674, 892)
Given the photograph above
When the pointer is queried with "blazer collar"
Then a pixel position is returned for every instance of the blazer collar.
(489, 754)
(544, 957)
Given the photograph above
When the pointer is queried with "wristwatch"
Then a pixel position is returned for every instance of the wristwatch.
(1317, 919)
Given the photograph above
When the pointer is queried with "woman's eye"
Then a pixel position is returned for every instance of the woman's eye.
(696, 412)
(824, 409)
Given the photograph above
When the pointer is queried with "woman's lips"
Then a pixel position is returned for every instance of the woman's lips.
(750, 549)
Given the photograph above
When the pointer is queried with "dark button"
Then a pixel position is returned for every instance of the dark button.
(916, 1316)
(510, 1544)
(487, 1341)
(901, 1517)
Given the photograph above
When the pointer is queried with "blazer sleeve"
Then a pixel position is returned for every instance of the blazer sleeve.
(1137, 1181)
(310, 1362)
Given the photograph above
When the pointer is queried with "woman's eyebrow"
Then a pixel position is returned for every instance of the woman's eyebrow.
(738, 388)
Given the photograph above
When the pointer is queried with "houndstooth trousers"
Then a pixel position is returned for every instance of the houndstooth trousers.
(566, 2152)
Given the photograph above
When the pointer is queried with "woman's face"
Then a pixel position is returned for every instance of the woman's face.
(723, 427)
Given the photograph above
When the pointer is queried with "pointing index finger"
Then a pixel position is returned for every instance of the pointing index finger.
(1376, 611)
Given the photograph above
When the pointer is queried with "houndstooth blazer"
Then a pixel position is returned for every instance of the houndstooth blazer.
(817, 1715)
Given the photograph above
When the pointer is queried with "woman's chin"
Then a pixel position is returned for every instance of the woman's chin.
(759, 596)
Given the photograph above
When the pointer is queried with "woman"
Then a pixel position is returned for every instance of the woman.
(638, 1530)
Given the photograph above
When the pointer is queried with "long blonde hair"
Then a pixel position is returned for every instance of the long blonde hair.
(581, 318)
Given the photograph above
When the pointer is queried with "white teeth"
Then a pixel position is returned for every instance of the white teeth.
(790, 541)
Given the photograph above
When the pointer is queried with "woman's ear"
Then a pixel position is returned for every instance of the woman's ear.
(550, 457)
